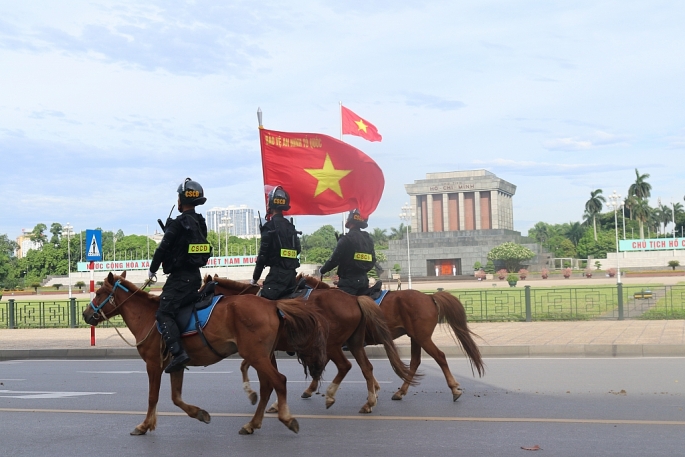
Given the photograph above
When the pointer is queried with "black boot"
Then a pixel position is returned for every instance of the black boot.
(172, 337)
(180, 358)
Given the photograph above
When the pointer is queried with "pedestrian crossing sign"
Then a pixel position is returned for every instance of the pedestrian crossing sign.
(93, 245)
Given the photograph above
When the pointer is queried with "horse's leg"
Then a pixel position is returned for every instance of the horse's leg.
(343, 365)
(251, 394)
(191, 410)
(154, 377)
(359, 354)
(274, 406)
(309, 391)
(413, 366)
(439, 356)
(270, 379)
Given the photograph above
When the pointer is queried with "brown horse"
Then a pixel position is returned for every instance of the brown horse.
(349, 319)
(247, 325)
(413, 313)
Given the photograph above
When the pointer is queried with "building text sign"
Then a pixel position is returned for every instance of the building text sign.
(121, 265)
(652, 244)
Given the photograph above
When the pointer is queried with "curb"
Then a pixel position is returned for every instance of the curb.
(374, 352)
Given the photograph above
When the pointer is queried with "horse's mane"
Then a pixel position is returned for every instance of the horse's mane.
(227, 283)
(133, 288)
(314, 282)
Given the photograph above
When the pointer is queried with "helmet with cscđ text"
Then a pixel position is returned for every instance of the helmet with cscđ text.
(279, 199)
(354, 219)
(190, 193)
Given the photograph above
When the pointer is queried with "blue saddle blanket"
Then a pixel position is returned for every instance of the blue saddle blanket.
(202, 314)
(381, 297)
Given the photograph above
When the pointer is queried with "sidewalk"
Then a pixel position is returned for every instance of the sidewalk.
(608, 338)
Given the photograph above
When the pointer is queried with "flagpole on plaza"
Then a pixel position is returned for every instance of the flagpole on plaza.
(342, 225)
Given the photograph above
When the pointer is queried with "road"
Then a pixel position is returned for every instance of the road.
(569, 407)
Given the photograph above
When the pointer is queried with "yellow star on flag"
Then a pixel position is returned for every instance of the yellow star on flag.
(361, 125)
(328, 177)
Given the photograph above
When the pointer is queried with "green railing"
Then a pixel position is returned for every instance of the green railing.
(497, 304)
(574, 303)
(47, 314)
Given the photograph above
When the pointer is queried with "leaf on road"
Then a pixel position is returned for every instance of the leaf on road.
(532, 448)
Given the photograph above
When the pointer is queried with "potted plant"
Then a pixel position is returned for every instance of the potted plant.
(611, 272)
(566, 272)
(480, 275)
(544, 273)
(588, 272)
(502, 274)
(477, 266)
(512, 279)
(523, 273)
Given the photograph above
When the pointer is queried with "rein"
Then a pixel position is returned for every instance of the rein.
(110, 298)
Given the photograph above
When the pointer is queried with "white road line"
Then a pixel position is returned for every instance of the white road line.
(43, 395)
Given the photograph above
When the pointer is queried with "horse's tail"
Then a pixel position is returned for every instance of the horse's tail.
(451, 311)
(378, 330)
(306, 334)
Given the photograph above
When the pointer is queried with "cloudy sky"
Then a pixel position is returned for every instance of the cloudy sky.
(106, 106)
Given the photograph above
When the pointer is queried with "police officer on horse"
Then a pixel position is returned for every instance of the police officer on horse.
(182, 251)
(279, 248)
(354, 255)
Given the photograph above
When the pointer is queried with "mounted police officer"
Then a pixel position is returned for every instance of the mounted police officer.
(278, 250)
(354, 256)
(182, 251)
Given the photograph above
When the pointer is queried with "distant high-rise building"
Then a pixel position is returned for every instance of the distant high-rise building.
(25, 243)
(241, 221)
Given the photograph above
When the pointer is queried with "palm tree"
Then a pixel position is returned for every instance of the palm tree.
(594, 207)
(574, 232)
(540, 232)
(642, 212)
(379, 236)
(398, 233)
(640, 188)
(630, 202)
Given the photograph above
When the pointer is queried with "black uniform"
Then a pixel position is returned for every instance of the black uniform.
(354, 256)
(181, 287)
(278, 250)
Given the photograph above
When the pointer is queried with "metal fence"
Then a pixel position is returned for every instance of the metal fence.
(47, 314)
(569, 303)
(497, 304)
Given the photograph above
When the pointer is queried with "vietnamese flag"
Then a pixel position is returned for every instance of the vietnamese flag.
(322, 175)
(355, 125)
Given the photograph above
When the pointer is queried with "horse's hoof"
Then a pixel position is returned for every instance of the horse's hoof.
(272, 410)
(253, 398)
(455, 396)
(329, 402)
(294, 426)
(397, 396)
(137, 432)
(244, 431)
(366, 409)
(306, 394)
(203, 416)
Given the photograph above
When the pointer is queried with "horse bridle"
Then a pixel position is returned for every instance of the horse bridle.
(110, 299)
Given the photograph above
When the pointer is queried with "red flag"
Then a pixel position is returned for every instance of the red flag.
(322, 175)
(355, 125)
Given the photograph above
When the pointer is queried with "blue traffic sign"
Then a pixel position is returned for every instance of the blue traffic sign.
(93, 245)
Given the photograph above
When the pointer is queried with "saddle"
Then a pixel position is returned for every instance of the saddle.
(375, 291)
(184, 314)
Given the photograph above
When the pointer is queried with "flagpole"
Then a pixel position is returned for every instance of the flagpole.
(341, 134)
(261, 153)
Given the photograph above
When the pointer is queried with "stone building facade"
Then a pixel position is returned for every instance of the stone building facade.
(457, 218)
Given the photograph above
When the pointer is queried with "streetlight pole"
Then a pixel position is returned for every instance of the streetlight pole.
(615, 203)
(406, 215)
(225, 220)
(68, 229)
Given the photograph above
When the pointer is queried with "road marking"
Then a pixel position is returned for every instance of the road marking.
(41, 395)
(145, 372)
(369, 418)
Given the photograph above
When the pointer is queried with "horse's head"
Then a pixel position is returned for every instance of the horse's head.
(104, 305)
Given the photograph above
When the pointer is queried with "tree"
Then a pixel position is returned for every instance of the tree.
(318, 247)
(56, 230)
(642, 211)
(37, 235)
(587, 246)
(574, 232)
(640, 188)
(398, 233)
(673, 264)
(379, 237)
(80, 285)
(511, 254)
(540, 232)
(8, 263)
(594, 207)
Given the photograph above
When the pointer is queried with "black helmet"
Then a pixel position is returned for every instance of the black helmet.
(354, 219)
(279, 199)
(191, 193)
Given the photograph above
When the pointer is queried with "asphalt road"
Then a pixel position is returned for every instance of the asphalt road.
(569, 407)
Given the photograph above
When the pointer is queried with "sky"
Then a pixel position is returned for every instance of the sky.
(107, 106)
